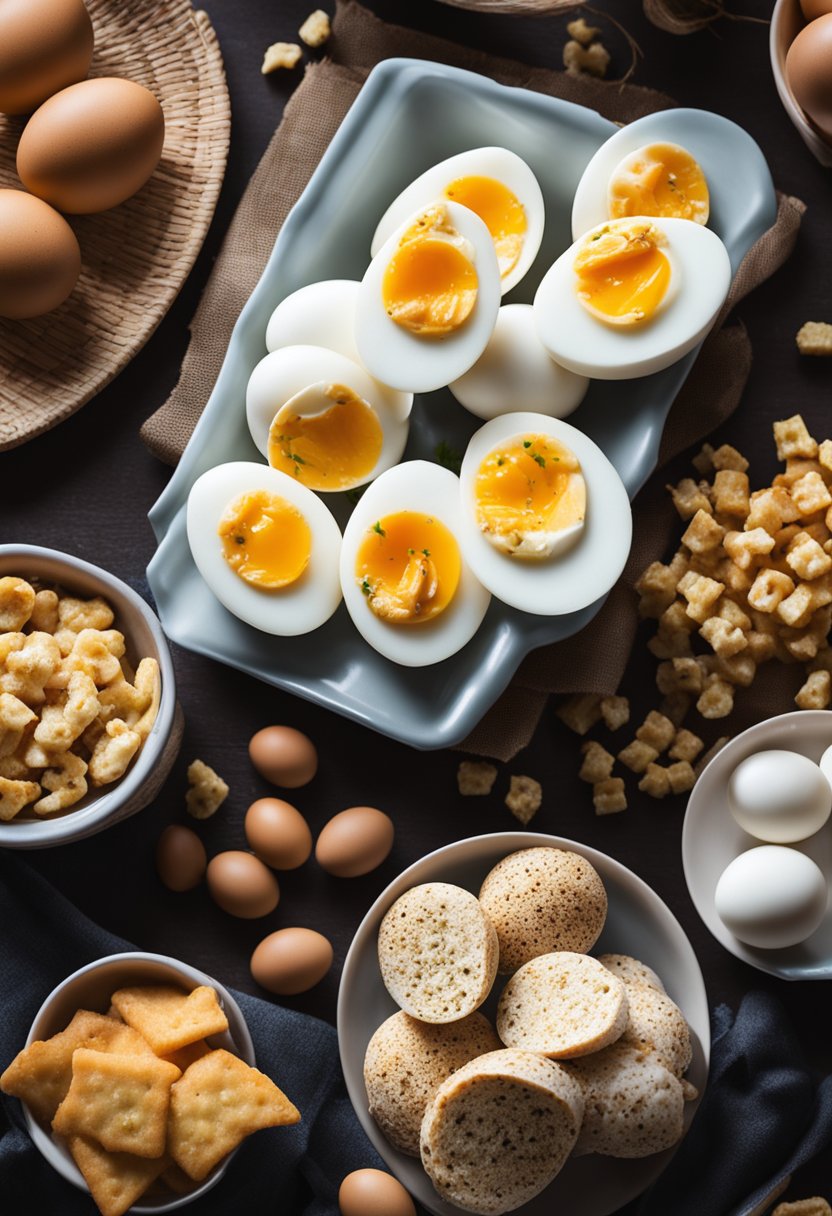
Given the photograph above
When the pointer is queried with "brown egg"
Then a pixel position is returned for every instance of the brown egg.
(809, 73)
(278, 833)
(241, 885)
(45, 45)
(373, 1193)
(92, 145)
(180, 858)
(39, 256)
(283, 756)
(291, 961)
(354, 842)
(812, 9)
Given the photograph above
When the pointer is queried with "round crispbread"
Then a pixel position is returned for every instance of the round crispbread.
(634, 1106)
(657, 1027)
(408, 1060)
(438, 952)
(562, 1005)
(630, 970)
(500, 1129)
(541, 900)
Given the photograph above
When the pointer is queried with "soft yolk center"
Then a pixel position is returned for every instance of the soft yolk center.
(499, 209)
(408, 567)
(663, 180)
(430, 283)
(332, 449)
(265, 540)
(623, 275)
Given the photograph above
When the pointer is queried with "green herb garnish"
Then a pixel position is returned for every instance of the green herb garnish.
(378, 528)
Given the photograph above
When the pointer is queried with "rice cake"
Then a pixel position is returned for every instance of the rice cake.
(631, 970)
(657, 1026)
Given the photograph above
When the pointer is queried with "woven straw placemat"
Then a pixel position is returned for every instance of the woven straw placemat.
(136, 256)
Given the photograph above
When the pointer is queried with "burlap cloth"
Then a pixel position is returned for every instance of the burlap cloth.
(593, 660)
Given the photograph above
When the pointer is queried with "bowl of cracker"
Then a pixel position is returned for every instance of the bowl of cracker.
(89, 726)
(138, 1082)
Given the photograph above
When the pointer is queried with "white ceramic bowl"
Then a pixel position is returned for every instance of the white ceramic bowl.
(786, 23)
(711, 838)
(638, 923)
(91, 988)
(144, 637)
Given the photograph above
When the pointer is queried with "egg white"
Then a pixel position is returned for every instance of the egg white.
(402, 359)
(323, 314)
(700, 279)
(515, 372)
(567, 581)
(302, 606)
(498, 163)
(285, 372)
(431, 490)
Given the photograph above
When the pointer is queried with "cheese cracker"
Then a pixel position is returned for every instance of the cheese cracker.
(116, 1180)
(170, 1018)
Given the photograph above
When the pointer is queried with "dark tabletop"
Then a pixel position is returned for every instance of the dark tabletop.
(86, 488)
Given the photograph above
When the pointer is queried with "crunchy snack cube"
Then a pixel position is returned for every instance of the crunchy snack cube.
(681, 777)
(731, 492)
(597, 763)
(581, 32)
(207, 790)
(656, 730)
(793, 439)
(725, 639)
(29, 667)
(701, 593)
(796, 608)
(476, 777)
(14, 795)
(769, 589)
(17, 599)
(637, 755)
(615, 711)
(727, 457)
(811, 494)
(807, 558)
(657, 589)
(738, 668)
(77, 615)
(281, 55)
(761, 646)
(316, 28)
(609, 796)
(686, 746)
(655, 781)
(594, 59)
(703, 533)
(524, 798)
(816, 693)
(716, 699)
(581, 712)
(813, 338)
(690, 497)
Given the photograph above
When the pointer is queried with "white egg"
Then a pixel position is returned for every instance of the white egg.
(323, 314)
(420, 364)
(771, 897)
(423, 489)
(580, 341)
(779, 796)
(825, 764)
(296, 378)
(498, 164)
(565, 581)
(301, 606)
(514, 372)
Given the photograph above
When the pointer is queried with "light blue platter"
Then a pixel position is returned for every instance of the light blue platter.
(409, 115)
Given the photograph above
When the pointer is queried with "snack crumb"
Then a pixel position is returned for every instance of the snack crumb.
(524, 798)
(281, 55)
(594, 59)
(816, 1206)
(609, 796)
(315, 29)
(597, 764)
(207, 790)
(580, 712)
(475, 777)
(581, 32)
(615, 711)
(815, 338)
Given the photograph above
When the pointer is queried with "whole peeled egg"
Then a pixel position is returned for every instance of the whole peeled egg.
(241, 885)
(291, 960)
(809, 72)
(373, 1193)
(354, 842)
(779, 796)
(278, 833)
(771, 897)
(92, 146)
(284, 756)
(39, 256)
(45, 45)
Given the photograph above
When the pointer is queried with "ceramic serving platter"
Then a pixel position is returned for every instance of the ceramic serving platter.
(409, 115)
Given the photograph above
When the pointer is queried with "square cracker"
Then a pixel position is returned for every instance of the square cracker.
(116, 1180)
(186, 1056)
(119, 1100)
(170, 1018)
(218, 1102)
(40, 1074)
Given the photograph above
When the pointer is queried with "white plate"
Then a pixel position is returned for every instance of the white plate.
(638, 923)
(711, 838)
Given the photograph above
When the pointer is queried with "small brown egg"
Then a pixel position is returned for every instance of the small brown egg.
(39, 256)
(283, 756)
(291, 961)
(809, 73)
(812, 9)
(278, 833)
(45, 45)
(180, 858)
(92, 146)
(354, 842)
(373, 1193)
(242, 885)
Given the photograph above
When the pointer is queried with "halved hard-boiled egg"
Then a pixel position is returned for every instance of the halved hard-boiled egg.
(405, 581)
(322, 419)
(546, 521)
(497, 185)
(266, 546)
(515, 372)
(429, 300)
(659, 179)
(631, 296)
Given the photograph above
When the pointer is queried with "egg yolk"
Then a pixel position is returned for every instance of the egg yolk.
(527, 490)
(499, 209)
(662, 179)
(408, 567)
(265, 540)
(623, 275)
(327, 437)
(430, 284)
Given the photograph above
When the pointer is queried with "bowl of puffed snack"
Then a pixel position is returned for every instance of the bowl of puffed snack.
(138, 1083)
(89, 726)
